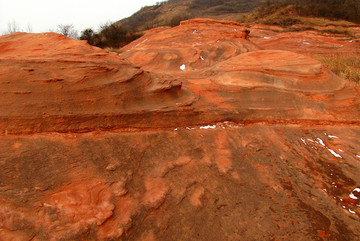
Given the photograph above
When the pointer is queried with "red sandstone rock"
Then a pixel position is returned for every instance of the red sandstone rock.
(309, 42)
(240, 143)
(75, 87)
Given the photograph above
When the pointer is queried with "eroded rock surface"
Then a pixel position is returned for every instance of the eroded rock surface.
(309, 42)
(54, 83)
(192, 133)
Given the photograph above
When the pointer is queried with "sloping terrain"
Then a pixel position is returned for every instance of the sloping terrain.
(275, 12)
(190, 133)
(170, 13)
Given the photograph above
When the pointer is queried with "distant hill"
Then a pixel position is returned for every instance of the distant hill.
(289, 12)
(171, 12)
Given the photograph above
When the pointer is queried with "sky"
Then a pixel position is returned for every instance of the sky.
(45, 15)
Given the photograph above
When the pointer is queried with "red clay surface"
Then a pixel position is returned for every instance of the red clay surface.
(190, 133)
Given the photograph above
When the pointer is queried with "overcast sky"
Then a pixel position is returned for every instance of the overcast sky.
(45, 15)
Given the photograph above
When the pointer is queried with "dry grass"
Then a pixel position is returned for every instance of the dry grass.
(110, 49)
(338, 31)
(313, 21)
(344, 66)
(273, 15)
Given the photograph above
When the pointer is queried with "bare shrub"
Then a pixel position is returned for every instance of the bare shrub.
(68, 30)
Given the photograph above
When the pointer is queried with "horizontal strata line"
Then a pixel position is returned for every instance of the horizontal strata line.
(217, 125)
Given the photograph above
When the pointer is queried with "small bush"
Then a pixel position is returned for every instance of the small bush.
(68, 30)
(110, 36)
(91, 37)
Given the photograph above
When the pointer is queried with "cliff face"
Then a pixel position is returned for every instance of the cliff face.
(190, 133)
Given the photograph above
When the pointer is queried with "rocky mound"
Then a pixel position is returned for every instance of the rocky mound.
(191, 133)
(76, 87)
(53, 83)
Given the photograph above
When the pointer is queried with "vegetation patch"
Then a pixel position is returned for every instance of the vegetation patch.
(338, 30)
(299, 28)
(291, 15)
(110, 36)
(344, 66)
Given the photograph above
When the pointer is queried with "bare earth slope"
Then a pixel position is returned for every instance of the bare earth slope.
(192, 133)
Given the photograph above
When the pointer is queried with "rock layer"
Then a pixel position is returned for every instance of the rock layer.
(314, 42)
(192, 133)
(53, 83)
